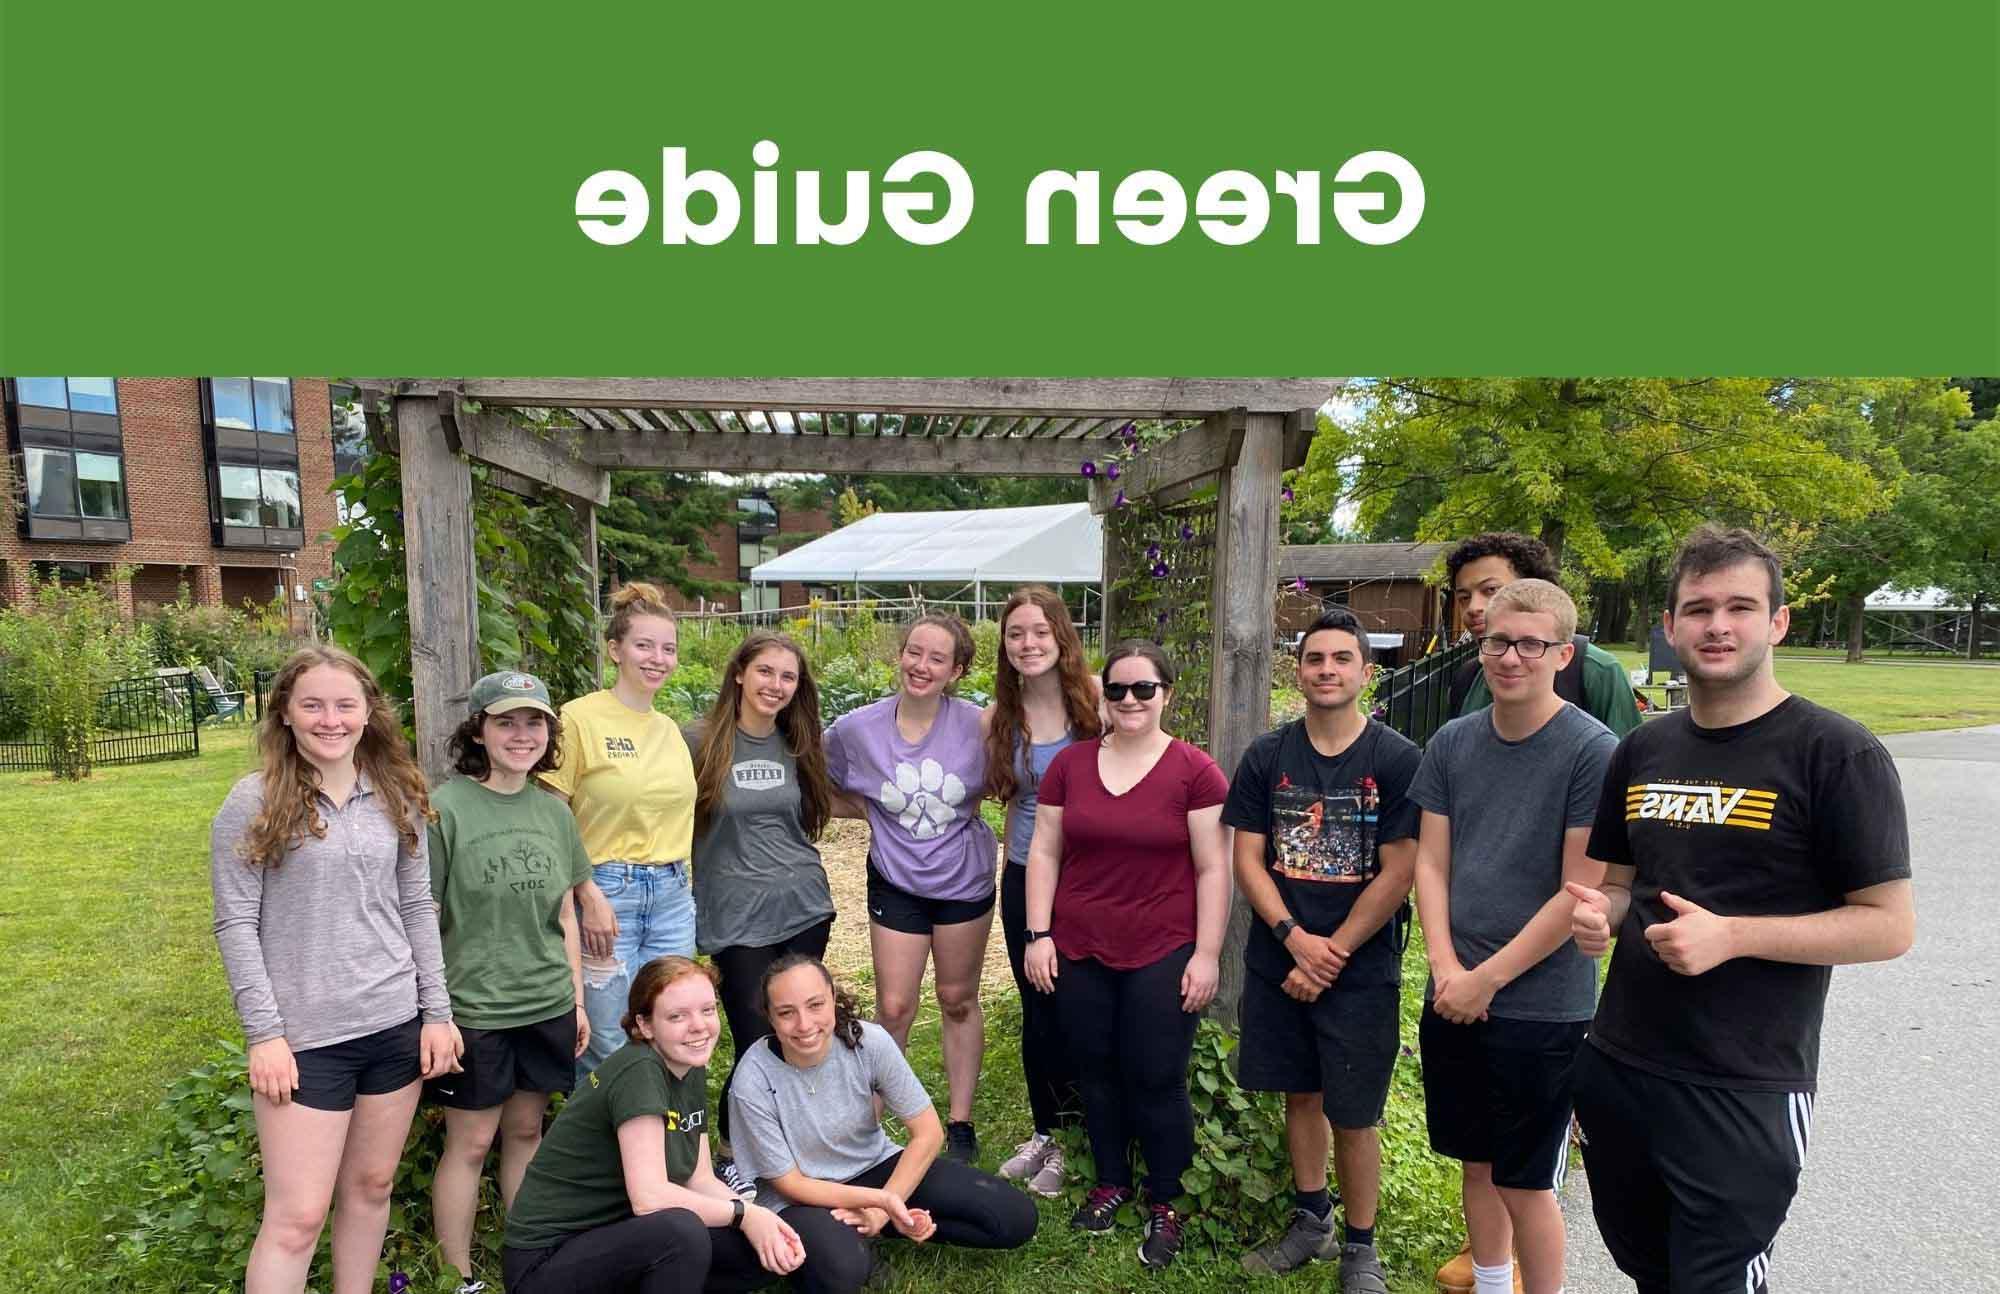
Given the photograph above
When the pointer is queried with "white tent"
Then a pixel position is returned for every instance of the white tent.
(1888, 598)
(1059, 543)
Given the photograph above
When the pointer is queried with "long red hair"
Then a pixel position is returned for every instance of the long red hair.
(1003, 736)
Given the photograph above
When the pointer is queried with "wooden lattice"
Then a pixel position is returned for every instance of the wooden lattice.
(1164, 559)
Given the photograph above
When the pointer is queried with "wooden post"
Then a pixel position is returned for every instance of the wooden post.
(591, 559)
(1243, 603)
(444, 599)
(1107, 596)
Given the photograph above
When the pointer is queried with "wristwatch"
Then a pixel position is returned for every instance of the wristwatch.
(1283, 930)
(1039, 934)
(736, 1213)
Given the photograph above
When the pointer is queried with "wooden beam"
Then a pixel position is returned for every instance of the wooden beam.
(590, 561)
(1153, 397)
(555, 458)
(1243, 602)
(443, 596)
(917, 455)
(1203, 451)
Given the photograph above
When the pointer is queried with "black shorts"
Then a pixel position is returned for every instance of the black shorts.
(912, 914)
(1498, 1092)
(497, 1063)
(1343, 1046)
(1689, 1184)
(387, 1060)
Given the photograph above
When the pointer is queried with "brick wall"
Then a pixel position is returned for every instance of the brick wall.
(722, 542)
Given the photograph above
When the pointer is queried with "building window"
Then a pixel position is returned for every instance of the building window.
(51, 482)
(69, 573)
(281, 499)
(253, 403)
(72, 458)
(79, 394)
(100, 484)
(242, 496)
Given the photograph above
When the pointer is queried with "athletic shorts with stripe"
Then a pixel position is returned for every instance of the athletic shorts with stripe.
(1689, 1184)
(1497, 1092)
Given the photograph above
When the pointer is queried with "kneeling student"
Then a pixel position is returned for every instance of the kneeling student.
(1325, 852)
(803, 1123)
(621, 1197)
(1508, 796)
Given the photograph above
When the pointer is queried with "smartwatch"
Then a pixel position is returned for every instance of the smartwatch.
(1038, 934)
(736, 1213)
(1283, 930)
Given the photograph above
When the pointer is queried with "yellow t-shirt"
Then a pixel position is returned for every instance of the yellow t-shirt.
(629, 779)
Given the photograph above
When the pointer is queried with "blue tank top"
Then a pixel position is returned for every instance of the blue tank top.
(1028, 774)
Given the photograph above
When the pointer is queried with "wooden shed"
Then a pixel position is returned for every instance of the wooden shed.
(1385, 585)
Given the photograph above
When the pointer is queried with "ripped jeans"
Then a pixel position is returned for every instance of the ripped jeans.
(654, 905)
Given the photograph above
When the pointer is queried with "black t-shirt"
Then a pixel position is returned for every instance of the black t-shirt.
(1780, 816)
(1323, 821)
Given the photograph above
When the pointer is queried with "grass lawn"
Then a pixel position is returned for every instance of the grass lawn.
(112, 988)
(1889, 694)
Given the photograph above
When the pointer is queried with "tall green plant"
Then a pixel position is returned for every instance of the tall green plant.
(62, 649)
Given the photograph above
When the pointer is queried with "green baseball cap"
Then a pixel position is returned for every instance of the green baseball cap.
(510, 690)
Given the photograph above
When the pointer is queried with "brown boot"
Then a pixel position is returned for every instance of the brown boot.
(1455, 1277)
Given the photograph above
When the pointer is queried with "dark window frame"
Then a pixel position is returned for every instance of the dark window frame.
(260, 451)
(45, 428)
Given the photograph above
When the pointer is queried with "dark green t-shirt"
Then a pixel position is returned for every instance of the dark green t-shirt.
(501, 868)
(576, 1181)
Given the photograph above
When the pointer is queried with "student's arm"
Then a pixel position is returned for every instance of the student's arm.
(1038, 962)
(1549, 929)
(1318, 961)
(1600, 911)
(1433, 881)
(926, 1140)
(238, 888)
(440, 1045)
(1211, 907)
(573, 950)
(642, 1155)
(1871, 925)
(1380, 900)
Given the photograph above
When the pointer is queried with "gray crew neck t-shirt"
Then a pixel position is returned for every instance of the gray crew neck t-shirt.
(757, 879)
(820, 1121)
(1510, 803)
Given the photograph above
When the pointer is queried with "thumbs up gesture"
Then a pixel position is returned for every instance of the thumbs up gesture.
(1695, 940)
(1590, 922)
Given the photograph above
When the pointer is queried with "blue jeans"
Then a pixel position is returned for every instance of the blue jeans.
(655, 909)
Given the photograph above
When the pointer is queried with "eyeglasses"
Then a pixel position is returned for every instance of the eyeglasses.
(1145, 690)
(1526, 648)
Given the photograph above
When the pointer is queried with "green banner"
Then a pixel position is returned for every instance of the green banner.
(1711, 188)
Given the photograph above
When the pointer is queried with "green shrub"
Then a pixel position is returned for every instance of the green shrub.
(59, 652)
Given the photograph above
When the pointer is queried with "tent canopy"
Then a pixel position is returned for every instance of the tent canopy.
(1059, 543)
(1889, 598)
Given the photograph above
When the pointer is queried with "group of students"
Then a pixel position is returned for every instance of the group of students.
(347, 900)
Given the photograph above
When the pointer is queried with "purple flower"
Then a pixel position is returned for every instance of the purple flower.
(1089, 468)
(1129, 432)
(1159, 570)
(1187, 533)
(1120, 501)
(1152, 552)
(1300, 584)
(1289, 496)
(398, 1282)
(1163, 617)
(1111, 471)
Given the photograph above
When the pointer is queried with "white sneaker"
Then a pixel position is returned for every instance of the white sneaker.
(1050, 1179)
(1028, 1157)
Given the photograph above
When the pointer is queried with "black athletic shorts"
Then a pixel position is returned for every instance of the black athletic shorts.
(1498, 1092)
(497, 1063)
(387, 1060)
(1689, 1184)
(913, 914)
(1343, 1045)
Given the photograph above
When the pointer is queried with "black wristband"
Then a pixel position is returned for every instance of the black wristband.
(736, 1216)
(1283, 929)
(1038, 934)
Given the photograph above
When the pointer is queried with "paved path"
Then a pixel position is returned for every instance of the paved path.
(1899, 1188)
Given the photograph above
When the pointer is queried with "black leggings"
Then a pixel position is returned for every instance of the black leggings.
(1045, 1061)
(669, 1252)
(742, 969)
(1132, 1041)
(972, 1209)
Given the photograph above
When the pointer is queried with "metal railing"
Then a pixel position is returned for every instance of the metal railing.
(1415, 700)
(141, 719)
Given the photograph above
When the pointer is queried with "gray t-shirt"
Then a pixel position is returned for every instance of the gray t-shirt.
(757, 879)
(1510, 803)
(1028, 775)
(820, 1121)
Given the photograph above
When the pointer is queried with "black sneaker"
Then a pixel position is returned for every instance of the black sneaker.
(1309, 1238)
(1099, 1213)
(734, 1178)
(961, 1142)
(1163, 1236)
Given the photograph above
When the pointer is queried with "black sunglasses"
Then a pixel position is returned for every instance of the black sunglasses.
(1145, 691)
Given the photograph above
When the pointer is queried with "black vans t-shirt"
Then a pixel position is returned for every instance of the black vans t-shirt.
(1780, 816)
(1322, 821)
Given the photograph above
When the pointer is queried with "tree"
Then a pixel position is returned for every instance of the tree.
(656, 528)
(1968, 558)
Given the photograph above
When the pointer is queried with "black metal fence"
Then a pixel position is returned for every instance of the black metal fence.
(1415, 700)
(140, 720)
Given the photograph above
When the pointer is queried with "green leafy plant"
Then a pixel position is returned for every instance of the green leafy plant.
(57, 654)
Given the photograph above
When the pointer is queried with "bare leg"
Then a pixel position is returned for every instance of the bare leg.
(520, 1135)
(1538, 1237)
(899, 978)
(301, 1149)
(960, 951)
(1306, 1137)
(375, 1138)
(468, 1135)
(1357, 1157)
(1486, 1221)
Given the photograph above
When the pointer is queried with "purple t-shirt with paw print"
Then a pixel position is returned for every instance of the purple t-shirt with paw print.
(922, 799)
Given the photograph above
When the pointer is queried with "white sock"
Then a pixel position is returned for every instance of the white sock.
(1493, 1280)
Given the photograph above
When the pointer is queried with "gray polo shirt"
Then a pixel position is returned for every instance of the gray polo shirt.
(338, 941)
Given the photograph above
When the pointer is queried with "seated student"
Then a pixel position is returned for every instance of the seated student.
(1508, 795)
(621, 1198)
(803, 1123)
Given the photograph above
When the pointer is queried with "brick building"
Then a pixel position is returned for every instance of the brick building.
(218, 483)
(760, 532)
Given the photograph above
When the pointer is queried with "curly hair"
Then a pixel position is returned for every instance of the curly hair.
(1530, 558)
(846, 1015)
(1003, 736)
